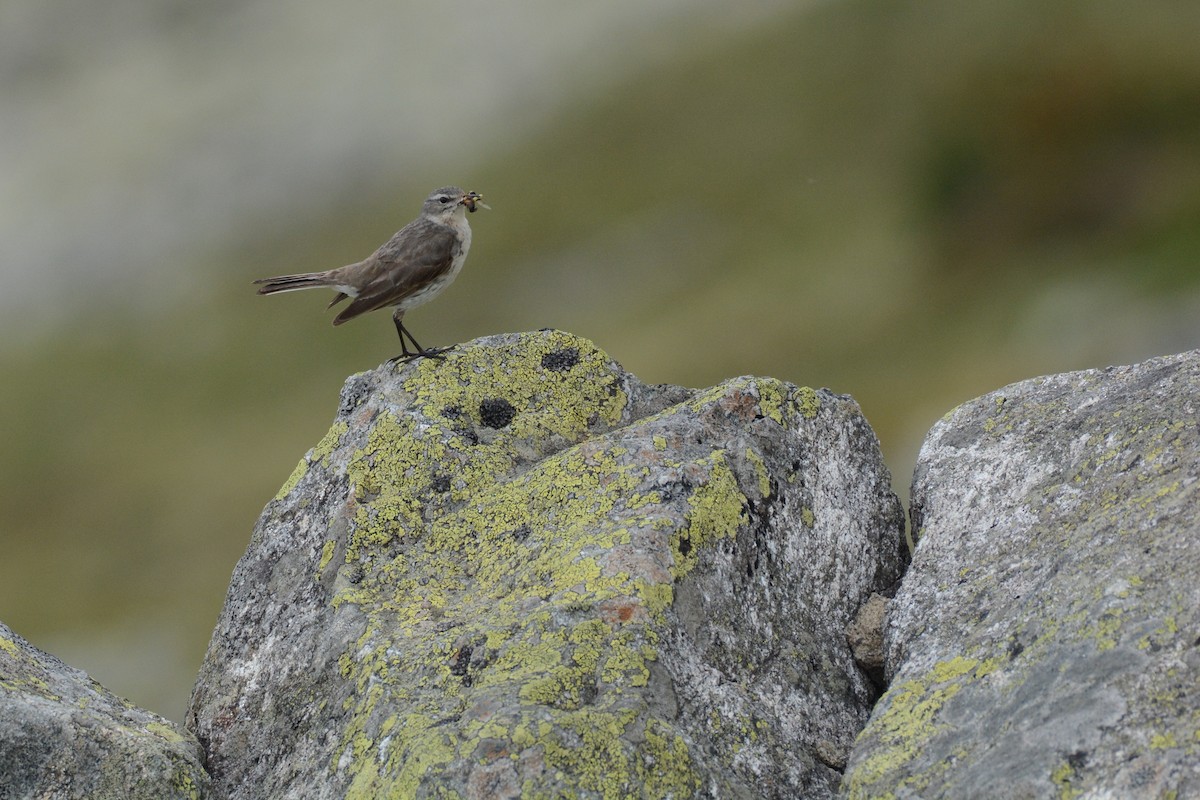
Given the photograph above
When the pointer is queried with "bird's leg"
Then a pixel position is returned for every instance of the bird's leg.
(397, 317)
(405, 353)
(405, 332)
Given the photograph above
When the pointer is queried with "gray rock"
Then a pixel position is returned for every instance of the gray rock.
(62, 735)
(1044, 642)
(522, 572)
(865, 637)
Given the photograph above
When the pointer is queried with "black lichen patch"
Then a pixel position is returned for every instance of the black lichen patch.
(468, 659)
(496, 412)
(561, 360)
(685, 545)
(460, 660)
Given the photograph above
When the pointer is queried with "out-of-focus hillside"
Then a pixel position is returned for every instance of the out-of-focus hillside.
(910, 203)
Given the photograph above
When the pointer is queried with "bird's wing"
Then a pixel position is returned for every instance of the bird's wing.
(416, 255)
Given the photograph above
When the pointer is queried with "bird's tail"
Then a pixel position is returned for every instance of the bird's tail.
(290, 283)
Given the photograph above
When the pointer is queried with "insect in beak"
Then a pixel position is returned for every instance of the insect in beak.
(473, 199)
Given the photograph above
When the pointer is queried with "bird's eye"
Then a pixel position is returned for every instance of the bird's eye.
(444, 199)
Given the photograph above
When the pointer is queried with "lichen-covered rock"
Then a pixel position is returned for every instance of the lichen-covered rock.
(520, 572)
(1044, 641)
(64, 736)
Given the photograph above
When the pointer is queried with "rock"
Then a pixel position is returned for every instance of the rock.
(1044, 642)
(522, 572)
(865, 637)
(62, 735)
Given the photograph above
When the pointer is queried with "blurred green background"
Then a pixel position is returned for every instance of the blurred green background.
(913, 203)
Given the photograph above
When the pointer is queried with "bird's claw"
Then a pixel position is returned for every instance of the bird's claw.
(433, 352)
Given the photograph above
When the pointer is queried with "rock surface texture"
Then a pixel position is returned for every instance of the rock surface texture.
(64, 736)
(520, 572)
(1045, 640)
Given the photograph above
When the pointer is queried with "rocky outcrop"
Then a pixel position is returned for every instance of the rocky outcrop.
(1045, 641)
(519, 571)
(64, 736)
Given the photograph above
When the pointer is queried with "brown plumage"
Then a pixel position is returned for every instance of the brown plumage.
(411, 268)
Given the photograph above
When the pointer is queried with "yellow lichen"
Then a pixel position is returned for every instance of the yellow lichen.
(1163, 741)
(484, 591)
(807, 402)
(326, 556)
(1061, 777)
(715, 512)
(319, 453)
(907, 720)
(293, 479)
(164, 731)
(761, 475)
(9, 646)
(771, 399)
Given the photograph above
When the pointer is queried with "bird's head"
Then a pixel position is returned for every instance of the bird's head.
(445, 202)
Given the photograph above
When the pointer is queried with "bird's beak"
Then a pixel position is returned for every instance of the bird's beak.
(473, 199)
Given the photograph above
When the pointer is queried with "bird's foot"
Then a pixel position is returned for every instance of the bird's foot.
(433, 352)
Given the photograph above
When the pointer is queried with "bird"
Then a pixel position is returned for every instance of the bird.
(410, 269)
